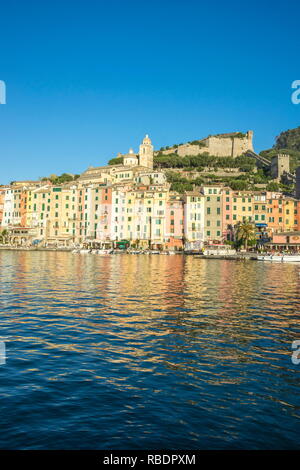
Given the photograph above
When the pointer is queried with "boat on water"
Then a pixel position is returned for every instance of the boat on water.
(280, 258)
(93, 252)
(218, 249)
(105, 252)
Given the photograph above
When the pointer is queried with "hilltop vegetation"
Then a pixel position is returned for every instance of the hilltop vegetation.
(287, 142)
(247, 181)
(116, 161)
(289, 139)
(202, 161)
(63, 178)
(172, 163)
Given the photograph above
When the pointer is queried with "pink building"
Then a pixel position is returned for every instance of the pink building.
(105, 221)
(285, 241)
(174, 223)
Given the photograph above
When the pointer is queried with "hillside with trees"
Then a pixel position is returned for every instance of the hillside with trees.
(287, 142)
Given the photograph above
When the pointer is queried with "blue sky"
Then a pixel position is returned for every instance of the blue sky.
(86, 79)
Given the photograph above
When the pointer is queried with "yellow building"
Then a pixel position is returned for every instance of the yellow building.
(242, 206)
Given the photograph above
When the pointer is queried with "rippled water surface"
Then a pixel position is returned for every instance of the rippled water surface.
(133, 352)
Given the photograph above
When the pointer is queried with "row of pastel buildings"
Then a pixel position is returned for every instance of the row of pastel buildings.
(109, 204)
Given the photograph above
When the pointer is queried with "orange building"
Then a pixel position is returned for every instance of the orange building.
(297, 215)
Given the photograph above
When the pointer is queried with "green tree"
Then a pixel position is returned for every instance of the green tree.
(4, 237)
(239, 185)
(245, 233)
(273, 186)
(116, 161)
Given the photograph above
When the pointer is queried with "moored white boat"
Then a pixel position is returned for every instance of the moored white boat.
(280, 258)
(105, 252)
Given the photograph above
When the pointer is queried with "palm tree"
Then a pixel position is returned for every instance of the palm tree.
(4, 236)
(136, 243)
(184, 241)
(245, 232)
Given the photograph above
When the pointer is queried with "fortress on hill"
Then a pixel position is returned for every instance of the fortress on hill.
(232, 145)
(219, 145)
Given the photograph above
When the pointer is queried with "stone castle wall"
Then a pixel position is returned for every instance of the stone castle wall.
(229, 145)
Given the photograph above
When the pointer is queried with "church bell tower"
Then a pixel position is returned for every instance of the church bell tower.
(146, 153)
